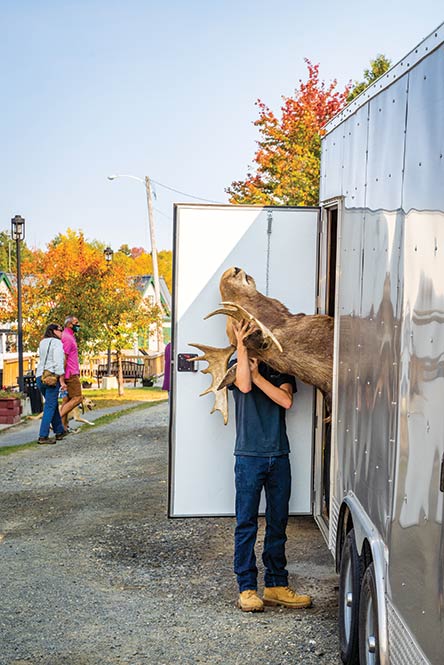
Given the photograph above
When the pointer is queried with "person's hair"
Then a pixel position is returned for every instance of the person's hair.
(69, 319)
(49, 332)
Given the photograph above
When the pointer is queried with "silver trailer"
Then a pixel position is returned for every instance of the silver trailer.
(382, 202)
(372, 256)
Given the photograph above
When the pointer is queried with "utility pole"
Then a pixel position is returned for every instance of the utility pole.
(154, 259)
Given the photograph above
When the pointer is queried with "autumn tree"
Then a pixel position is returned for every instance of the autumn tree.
(71, 277)
(286, 164)
(8, 255)
(143, 265)
(124, 313)
(378, 67)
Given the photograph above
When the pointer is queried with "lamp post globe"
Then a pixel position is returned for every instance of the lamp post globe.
(108, 253)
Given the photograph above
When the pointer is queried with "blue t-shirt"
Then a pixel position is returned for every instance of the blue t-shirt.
(260, 422)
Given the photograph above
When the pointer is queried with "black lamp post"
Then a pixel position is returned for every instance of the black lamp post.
(18, 234)
(108, 253)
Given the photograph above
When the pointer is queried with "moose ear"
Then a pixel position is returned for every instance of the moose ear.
(217, 360)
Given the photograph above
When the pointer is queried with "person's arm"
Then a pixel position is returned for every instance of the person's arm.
(243, 376)
(282, 395)
(59, 358)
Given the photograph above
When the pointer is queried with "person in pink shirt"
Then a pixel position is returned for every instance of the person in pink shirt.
(72, 369)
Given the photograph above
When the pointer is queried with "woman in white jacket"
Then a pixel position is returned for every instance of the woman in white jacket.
(52, 358)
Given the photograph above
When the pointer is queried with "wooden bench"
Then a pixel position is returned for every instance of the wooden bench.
(130, 370)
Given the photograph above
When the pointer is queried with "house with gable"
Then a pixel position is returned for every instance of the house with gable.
(145, 283)
(8, 338)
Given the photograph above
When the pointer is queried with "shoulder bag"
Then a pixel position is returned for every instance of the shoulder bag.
(49, 378)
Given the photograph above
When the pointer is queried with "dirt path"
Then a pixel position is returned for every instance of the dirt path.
(93, 572)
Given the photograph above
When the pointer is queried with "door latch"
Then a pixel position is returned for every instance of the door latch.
(186, 362)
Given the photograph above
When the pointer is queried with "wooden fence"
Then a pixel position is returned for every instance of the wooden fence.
(153, 366)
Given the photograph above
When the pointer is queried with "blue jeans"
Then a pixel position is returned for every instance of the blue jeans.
(251, 475)
(51, 415)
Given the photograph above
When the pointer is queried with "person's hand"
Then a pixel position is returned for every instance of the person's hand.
(63, 386)
(241, 330)
(254, 367)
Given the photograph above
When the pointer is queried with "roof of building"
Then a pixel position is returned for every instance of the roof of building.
(144, 281)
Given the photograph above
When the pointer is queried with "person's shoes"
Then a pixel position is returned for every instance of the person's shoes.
(45, 439)
(283, 595)
(61, 435)
(249, 601)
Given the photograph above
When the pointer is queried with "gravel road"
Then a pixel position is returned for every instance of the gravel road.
(93, 572)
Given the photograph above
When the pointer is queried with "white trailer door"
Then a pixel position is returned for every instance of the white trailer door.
(278, 247)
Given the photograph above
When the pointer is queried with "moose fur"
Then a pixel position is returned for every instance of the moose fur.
(306, 340)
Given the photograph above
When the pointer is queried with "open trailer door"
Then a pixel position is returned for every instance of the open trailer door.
(278, 247)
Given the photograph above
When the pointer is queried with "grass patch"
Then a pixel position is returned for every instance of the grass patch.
(7, 450)
(103, 420)
(108, 418)
(105, 398)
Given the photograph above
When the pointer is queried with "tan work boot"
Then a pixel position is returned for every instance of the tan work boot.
(249, 601)
(283, 595)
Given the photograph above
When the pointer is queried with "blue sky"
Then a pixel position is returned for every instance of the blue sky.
(165, 89)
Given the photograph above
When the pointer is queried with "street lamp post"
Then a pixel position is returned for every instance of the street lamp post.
(108, 252)
(156, 282)
(18, 234)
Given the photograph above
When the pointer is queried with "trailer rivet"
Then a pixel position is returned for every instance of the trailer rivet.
(403, 584)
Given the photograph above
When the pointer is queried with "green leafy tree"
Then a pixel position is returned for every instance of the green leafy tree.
(125, 249)
(8, 253)
(378, 67)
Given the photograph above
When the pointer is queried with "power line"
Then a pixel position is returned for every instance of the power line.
(191, 196)
(163, 214)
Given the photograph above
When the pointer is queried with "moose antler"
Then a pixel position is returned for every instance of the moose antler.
(239, 313)
(217, 360)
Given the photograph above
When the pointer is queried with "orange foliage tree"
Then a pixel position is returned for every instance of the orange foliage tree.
(72, 277)
(287, 162)
(143, 265)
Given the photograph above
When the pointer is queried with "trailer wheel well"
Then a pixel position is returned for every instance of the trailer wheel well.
(345, 524)
(367, 556)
